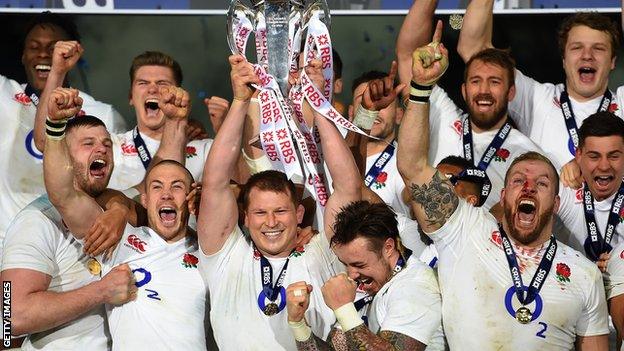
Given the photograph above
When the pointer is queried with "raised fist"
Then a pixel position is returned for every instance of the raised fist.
(65, 56)
(242, 76)
(380, 93)
(339, 291)
(297, 300)
(117, 287)
(63, 104)
(429, 62)
(174, 102)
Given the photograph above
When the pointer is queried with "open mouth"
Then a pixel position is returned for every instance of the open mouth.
(43, 70)
(484, 102)
(271, 234)
(587, 74)
(527, 212)
(364, 283)
(167, 215)
(97, 168)
(151, 107)
(603, 181)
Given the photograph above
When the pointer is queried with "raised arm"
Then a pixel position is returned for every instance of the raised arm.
(476, 32)
(78, 209)
(432, 197)
(218, 213)
(339, 160)
(65, 56)
(415, 32)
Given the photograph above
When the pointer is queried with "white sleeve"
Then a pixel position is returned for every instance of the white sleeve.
(614, 278)
(454, 232)
(410, 234)
(594, 317)
(118, 122)
(213, 266)
(415, 307)
(30, 243)
(521, 107)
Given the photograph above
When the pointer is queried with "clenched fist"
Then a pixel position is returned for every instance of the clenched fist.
(297, 300)
(65, 56)
(174, 102)
(339, 291)
(118, 286)
(63, 104)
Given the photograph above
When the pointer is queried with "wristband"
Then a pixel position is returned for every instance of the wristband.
(364, 118)
(419, 94)
(55, 129)
(348, 317)
(300, 330)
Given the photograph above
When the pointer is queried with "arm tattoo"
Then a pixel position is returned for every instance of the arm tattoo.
(314, 343)
(361, 338)
(438, 200)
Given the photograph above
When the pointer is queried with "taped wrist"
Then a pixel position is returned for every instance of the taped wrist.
(348, 317)
(55, 129)
(364, 118)
(300, 330)
(419, 94)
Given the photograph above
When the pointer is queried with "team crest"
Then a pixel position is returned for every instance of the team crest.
(22, 99)
(501, 155)
(189, 260)
(297, 251)
(563, 273)
(380, 181)
(191, 151)
(613, 107)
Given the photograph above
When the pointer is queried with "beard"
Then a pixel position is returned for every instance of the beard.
(486, 121)
(531, 237)
(81, 177)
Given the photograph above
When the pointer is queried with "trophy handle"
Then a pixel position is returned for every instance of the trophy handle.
(238, 9)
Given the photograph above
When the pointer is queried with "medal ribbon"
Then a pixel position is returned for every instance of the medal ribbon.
(596, 244)
(379, 165)
(472, 173)
(142, 151)
(271, 291)
(539, 278)
(32, 94)
(568, 114)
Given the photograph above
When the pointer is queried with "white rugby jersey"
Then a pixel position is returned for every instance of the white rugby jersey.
(129, 170)
(479, 295)
(235, 283)
(388, 184)
(570, 224)
(445, 139)
(614, 278)
(537, 112)
(21, 179)
(168, 313)
(38, 240)
(409, 304)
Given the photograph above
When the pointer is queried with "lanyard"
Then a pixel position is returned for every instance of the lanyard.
(401, 262)
(595, 244)
(491, 150)
(32, 94)
(568, 114)
(379, 165)
(271, 291)
(142, 150)
(540, 275)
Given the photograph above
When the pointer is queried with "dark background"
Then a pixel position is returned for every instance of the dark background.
(199, 44)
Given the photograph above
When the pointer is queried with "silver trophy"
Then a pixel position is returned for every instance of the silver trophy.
(285, 21)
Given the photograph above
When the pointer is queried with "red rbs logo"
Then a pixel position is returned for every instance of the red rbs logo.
(137, 243)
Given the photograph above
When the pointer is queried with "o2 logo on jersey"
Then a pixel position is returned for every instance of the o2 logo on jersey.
(29, 143)
(537, 311)
(146, 277)
(571, 147)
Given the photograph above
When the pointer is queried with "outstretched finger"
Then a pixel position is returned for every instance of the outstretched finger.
(393, 70)
(437, 35)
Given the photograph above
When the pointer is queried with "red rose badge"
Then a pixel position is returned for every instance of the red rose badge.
(380, 181)
(501, 155)
(563, 273)
(189, 260)
(191, 151)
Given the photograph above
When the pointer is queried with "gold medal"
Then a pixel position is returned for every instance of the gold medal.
(94, 266)
(456, 21)
(271, 309)
(524, 315)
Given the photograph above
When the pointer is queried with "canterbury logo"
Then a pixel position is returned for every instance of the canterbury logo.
(137, 243)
